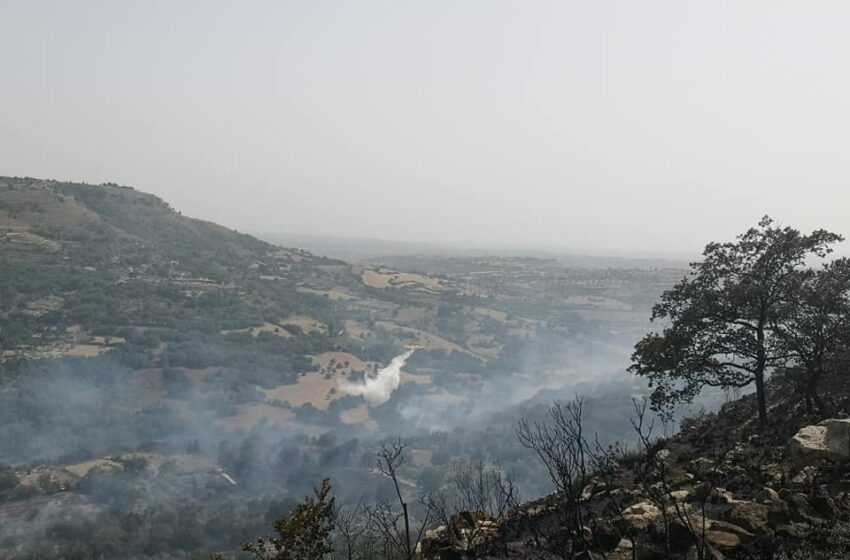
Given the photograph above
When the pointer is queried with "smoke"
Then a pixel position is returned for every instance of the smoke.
(377, 390)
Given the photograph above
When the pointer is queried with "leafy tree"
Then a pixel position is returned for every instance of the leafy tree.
(304, 535)
(721, 318)
(815, 325)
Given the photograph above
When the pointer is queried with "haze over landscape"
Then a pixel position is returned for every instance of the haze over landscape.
(590, 126)
(424, 280)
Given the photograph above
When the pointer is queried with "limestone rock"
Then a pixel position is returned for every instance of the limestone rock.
(641, 515)
(809, 446)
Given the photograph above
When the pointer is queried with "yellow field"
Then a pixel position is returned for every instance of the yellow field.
(359, 415)
(391, 279)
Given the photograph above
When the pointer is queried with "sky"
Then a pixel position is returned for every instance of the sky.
(610, 126)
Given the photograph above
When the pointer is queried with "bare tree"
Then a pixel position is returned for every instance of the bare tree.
(351, 526)
(394, 527)
(561, 445)
(478, 494)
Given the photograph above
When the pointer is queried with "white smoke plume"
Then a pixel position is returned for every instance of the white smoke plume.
(377, 390)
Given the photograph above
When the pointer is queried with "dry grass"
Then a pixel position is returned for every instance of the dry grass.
(333, 295)
(411, 314)
(359, 415)
(427, 340)
(391, 279)
(306, 324)
(320, 388)
(271, 328)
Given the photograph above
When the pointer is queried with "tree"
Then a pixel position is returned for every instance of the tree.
(390, 458)
(304, 535)
(561, 445)
(721, 318)
(391, 527)
(815, 325)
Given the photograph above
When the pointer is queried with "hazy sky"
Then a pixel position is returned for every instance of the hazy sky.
(629, 125)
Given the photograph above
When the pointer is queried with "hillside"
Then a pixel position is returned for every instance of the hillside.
(719, 488)
(156, 365)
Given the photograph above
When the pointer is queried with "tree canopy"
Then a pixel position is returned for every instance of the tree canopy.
(722, 321)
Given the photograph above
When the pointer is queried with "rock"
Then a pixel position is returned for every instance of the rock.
(840, 493)
(838, 436)
(808, 446)
(701, 466)
(794, 530)
(751, 516)
(722, 536)
(802, 511)
(806, 477)
(438, 534)
(767, 496)
(828, 440)
(824, 504)
(727, 537)
(679, 478)
(778, 514)
(640, 516)
(623, 551)
(716, 495)
(592, 489)
(721, 496)
(680, 495)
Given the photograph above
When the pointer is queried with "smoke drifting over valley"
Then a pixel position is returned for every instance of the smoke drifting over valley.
(378, 389)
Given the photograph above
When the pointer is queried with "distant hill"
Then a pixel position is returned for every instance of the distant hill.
(355, 249)
(112, 256)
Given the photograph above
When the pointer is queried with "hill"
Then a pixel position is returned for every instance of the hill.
(163, 367)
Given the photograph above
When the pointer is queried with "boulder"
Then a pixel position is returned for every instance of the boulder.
(719, 535)
(750, 516)
(838, 436)
(794, 530)
(808, 446)
(727, 537)
(828, 440)
(680, 495)
(641, 515)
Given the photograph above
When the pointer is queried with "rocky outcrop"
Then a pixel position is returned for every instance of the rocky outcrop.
(829, 440)
(809, 446)
(678, 504)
